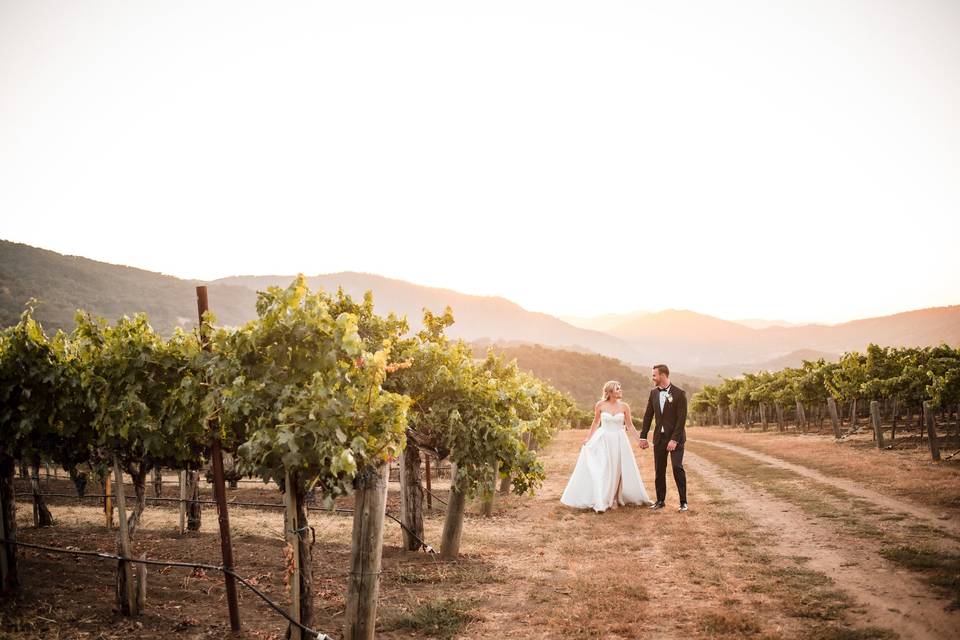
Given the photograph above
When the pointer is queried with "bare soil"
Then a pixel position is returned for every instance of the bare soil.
(766, 551)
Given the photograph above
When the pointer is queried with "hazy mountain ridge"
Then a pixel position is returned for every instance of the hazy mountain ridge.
(583, 375)
(63, 284)
(686, 340)
(792, 359)
(476, 317)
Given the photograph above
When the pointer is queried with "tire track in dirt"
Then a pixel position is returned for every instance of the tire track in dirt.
(887, 597)
(924, 514)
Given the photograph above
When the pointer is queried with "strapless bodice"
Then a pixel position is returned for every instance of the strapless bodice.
(612, 421)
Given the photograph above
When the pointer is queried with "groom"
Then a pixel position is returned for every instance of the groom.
(669, 404)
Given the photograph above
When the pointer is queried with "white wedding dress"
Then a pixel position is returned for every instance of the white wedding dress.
(606, 461)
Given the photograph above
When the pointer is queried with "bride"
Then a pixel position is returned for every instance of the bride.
(606, 474)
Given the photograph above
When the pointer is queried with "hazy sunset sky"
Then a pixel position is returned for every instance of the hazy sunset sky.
(794, 160)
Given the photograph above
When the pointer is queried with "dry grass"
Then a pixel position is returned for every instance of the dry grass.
(535, 570)
(907, 473)
(941, 569)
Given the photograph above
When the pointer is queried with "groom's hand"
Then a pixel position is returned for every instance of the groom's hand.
(643, 443)
(671, 445)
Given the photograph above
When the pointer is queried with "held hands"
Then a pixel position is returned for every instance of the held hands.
(643, 443)
(672, 445)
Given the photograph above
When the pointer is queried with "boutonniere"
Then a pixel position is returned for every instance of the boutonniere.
(669, 398)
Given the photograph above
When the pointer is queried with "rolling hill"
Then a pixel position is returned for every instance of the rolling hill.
(583, 375)
(686, 340)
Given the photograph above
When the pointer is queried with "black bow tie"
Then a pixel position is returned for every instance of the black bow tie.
(663, 390)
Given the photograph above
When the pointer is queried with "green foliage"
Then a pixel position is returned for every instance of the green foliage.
(42, 408)
(477, 413)
(317, 385)
(911, 375)
(301, 389)
(144, 392)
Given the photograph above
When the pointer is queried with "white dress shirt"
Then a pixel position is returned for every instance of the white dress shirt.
(663, 400)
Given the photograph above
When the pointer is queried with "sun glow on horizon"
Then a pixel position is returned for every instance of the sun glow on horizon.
(795, 162)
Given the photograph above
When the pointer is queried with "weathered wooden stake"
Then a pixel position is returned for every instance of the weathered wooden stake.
(834, 417)
(453, 522)
(293, 539)
(183, 502)
(194, 508)
(219, 488)
(226, 546)
(875, 418)
(801, 416)
(107, 502)
(763, 415)
(426, 459)
(366, 553)
(780, 425)
(126, 587)
(411, 496)
(489, 491)
(157, 482)
(893, 428)
(9, 580)
(931, 430)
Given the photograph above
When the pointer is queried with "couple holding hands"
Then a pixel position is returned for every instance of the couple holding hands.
(606, 475)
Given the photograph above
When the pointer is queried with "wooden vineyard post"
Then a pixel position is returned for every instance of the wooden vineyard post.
(126, 587)
(41, 514)
(801, 416)
(453, 522)
(411, 496)
(107, 502)
(426, 459)
(9, 580)
(780, 426)
(853, 414)
(834, 417)
(219, 488)
(183, 502)
(893, 427)
(366, 552)
(4, 553)
(486, 503)
(157, 482)
(763, 415)
(875, 418)
(931, 430)
(293, 539)
(226, 546)
(194, 508)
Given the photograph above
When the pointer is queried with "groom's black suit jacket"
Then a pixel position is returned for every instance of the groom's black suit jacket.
(673, 418)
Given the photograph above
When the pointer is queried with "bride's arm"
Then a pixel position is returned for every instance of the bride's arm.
(627, 420)
(596, 421)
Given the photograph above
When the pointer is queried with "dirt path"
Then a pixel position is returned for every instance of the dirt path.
(889, 597)
(926, 515)
(706, 573)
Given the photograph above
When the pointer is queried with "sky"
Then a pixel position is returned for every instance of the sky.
(790, 160)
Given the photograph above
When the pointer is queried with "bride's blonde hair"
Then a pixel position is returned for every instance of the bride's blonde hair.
(608, 387)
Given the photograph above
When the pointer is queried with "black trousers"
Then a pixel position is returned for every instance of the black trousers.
(660, 454)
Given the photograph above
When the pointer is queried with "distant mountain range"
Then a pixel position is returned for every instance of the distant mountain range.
(686, 340)
(583, 375)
